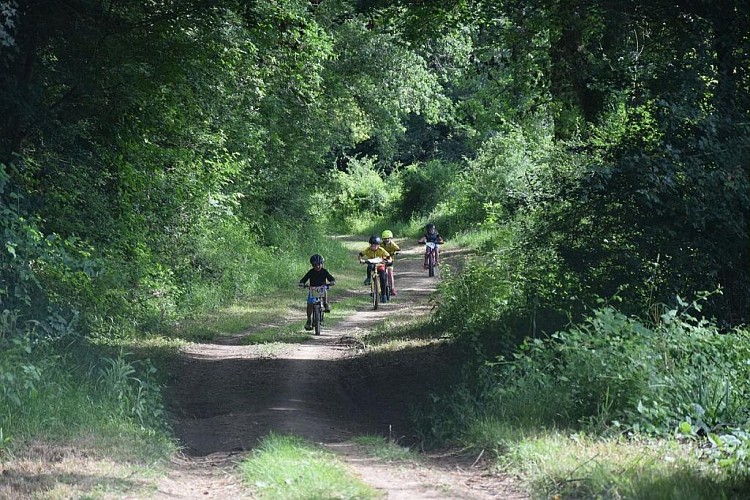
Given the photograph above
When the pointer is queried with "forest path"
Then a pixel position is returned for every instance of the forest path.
(227, 397)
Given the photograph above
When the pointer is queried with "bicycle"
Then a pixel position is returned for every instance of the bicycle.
(389, 281)
(387, 289)
(377, 264)
(431, 249)
(315, 296)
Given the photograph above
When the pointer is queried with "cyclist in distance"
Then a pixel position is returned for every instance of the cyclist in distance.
(392, 248)
(372, 251)
(431, 236)
(318, 276)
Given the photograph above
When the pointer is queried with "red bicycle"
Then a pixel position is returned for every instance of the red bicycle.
(431, 249)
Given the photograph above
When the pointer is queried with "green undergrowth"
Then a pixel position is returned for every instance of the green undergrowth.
(289, 467)
(112, 403)
(636, 409)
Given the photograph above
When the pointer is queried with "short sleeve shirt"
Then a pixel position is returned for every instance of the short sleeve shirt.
(380, 252)
(391, 247)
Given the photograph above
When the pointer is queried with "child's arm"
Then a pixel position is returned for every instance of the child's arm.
(304, 279)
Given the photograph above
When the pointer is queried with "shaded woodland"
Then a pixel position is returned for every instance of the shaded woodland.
(158, 159)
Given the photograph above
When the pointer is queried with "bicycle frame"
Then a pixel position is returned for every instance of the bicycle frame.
(388, 281)
(315, 296)
(431, 250)
(376, 262)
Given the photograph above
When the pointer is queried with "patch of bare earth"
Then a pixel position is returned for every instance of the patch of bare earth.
(225, 397)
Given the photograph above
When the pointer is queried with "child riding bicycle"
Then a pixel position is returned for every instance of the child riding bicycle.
(392, 248)
(373, 251)
(318, 276)
(431, 236)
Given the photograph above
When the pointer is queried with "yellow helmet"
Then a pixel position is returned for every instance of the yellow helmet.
(387, 234)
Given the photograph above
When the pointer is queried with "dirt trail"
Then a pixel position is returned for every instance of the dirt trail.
(226, 397)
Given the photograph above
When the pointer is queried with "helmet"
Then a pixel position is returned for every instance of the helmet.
(317, 259)
(430, 226)
(375, 240)
(387, 234)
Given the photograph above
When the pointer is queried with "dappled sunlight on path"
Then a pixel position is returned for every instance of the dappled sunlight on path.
(226, 398)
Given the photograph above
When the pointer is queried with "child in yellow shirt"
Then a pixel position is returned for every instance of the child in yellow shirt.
(372, 251)
(392, 248)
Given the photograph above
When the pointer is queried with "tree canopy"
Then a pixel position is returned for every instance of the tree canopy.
(613, 136)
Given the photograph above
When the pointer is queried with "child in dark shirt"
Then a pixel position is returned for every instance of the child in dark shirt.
(431, 236)
(318, 276)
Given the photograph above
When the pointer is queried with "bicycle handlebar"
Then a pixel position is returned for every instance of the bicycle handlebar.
(375, 260)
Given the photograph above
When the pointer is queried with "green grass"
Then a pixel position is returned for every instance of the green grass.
(479, 239)
(575, 465)
(278, 315)
(113, 403)
(288, 467)
(402, 329)
(385, 449)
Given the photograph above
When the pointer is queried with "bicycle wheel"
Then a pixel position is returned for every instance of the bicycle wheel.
(317, 318)
(431, 263)
(375, 291)
(387, 289)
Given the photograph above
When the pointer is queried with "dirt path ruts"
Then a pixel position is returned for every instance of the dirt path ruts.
(225, 398)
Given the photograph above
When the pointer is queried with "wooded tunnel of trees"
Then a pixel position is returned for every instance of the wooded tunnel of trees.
(137, 135)
(156, 155)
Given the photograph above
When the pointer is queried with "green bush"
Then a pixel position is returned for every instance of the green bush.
(615, 373)
(423, 186)
(505, 295)
(361, 189)
(43, 279)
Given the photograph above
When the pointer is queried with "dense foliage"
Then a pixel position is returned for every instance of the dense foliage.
(614, 135)
(154, 156)
(612, 375)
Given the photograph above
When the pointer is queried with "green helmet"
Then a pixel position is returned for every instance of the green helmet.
(387, 234)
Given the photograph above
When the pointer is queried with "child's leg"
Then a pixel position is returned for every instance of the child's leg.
(309, 312)
(426, 256)
(326, 307)
(437, 254)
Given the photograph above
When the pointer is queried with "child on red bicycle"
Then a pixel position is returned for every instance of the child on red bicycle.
(318, 276)
(373, 251)
(431, 236)
(392, 248)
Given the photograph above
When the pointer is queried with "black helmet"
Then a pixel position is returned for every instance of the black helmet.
(375, 240)
(430, 226)
(317, 259)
